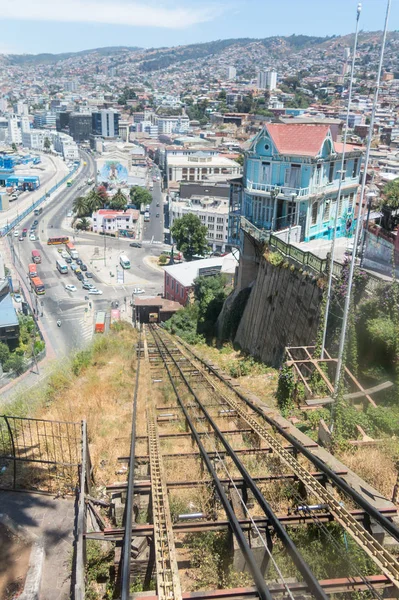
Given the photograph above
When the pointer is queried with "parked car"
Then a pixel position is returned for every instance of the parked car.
(32, 237)
(88, 286)
(17, 297)
(135, 245)
(68, 259)
(157, 215)
(74, 267)
(95, 291)
(83, 267)
(138, 291)
(64, 254)
(79, 261)
(16, 232)
(89, 275)
(71, 288)
(60, 250)
(80, 276)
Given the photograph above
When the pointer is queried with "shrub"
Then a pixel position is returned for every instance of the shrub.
(163, 259)
(4, 353)
(15, 363)
(81, 361)
(275, 259)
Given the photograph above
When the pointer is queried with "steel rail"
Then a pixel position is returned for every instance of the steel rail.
(300, 563)
(259, 580)
(168, 583)
(376, 551)
(390, 527)
(127, 539)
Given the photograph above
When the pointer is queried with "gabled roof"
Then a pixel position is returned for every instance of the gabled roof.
(297, 138)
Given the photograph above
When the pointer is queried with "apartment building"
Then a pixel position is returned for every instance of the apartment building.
(200, 166)
(115, 221)
(171, 124)
(79, 126)
(291, 177)
(267, 80)
(14, 131)
(105, 123)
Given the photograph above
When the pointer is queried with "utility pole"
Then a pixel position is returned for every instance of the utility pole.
(360, 213)
(340, 173)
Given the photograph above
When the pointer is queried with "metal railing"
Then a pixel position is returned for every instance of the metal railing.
(300, 192)
(36, 204)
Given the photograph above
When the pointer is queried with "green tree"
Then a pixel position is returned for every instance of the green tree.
(80, 207)
(210, 294)
(83, 224)
(118, 201)
(190, 235)
(391, 194)
(139, 195)
(240, 160)
(46, 144)
(95, 199)
(4, 353)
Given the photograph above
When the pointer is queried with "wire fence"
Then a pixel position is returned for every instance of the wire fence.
(37, 454)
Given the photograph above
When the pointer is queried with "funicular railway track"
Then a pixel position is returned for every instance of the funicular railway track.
(203, 397)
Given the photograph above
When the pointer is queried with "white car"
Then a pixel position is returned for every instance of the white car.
(138, 291)
(64, 254)
(71, 288)
(16, 233)
(32, 237)
(95, 291)
(17, 297)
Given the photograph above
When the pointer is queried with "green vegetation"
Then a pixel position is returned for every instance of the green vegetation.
(99, 570)
(84, 206)
(163, 259)
(83, 224)
(196, 322)
(190, 235)
(118, 201)
(390, 195)
(46, 144)
(139, 196)
(15, 359)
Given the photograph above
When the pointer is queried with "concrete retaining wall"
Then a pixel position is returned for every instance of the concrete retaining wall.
(282, 310)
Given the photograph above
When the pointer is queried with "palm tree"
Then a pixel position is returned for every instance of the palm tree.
(118, 201)
(80, 207)
(46, 144)
(94, 201)
(83, 224)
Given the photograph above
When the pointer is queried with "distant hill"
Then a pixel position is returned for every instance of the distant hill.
(47, 58)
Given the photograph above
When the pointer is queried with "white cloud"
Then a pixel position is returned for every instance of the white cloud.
(107, 11)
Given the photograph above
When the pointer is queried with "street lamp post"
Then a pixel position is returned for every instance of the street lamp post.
(292, 205)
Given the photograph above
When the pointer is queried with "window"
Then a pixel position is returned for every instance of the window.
(219, 227)
(184, 171)
(350, 204)
(219, 236)
(177, 288)
(318, 174)
(211, 219)
(340, 206)
(343, 174)
(216, 170)
(173, 284)
(326, 213)
(331, 173)
(315, 208)
(355, 167)
(192, 171)
(182, 292)
(219, 220)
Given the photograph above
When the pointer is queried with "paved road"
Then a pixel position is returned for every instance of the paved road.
(77, 310)
(153, 231)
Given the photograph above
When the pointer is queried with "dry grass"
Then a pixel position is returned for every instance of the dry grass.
(263, 385)
(102, 395)
(375, 465)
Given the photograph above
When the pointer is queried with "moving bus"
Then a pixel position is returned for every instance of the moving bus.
(124, 261)
(32, 271)
(61, 266)
(70, 248)
(38, 286)
(38, 211)
(100, 322)
(146, 216)
(115, 315)
(52, 241)
(36, 258)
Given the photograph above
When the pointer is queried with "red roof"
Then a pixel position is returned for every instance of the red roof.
(298, 138)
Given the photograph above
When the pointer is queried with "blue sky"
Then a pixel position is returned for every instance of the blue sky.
(33, 26)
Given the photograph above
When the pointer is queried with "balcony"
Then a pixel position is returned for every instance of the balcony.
(300, 193)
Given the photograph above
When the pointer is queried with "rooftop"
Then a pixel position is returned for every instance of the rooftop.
(185, 273)
(298, 139)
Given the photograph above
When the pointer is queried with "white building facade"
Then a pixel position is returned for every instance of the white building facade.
(14, 132)
(213, 213)
(200, 166)
(267, 80)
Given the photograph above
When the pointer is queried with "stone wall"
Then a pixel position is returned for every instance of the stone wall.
(282, 310)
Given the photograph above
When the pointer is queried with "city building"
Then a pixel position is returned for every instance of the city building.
(14, 132)
(179, 279)
(291, 177)
(34, 138)
(64, 145)
(354, 119)
(105, 123)
(171, 124)
(21, 108)
(44, 120)
(200, 166)
(122, 222)
(62, 120)
(267, 80)
(231, 73)
(25, 124)
(79, 126)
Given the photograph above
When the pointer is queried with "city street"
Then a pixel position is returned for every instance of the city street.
(153, 231)
(77, 310)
